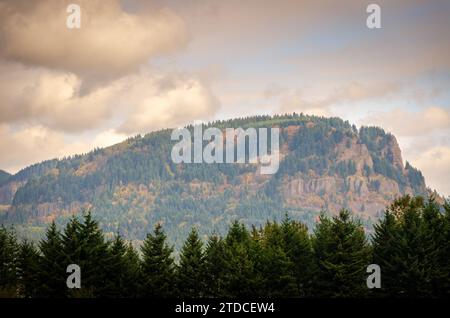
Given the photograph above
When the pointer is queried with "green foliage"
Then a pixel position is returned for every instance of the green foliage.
(8, 261)
(277, 260)
(190, 273)
(385, 168)
(415, 177)
(215, 262)
(110, 180)
(411, 246)
(124, 271)
(28, 270)
(298, 247)
(276, 269)
(158, 269)
(344, 168)
(85, 245)
(342, 254)
(52, 268)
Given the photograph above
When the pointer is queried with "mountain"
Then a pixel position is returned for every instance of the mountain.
(4, 176)
(326, 164)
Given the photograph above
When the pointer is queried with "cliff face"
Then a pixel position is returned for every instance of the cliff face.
(326, 164)
(365, 191)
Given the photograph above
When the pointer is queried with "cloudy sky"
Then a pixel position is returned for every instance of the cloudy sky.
(138, 66)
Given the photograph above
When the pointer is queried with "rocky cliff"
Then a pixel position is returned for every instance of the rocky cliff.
(327, 164)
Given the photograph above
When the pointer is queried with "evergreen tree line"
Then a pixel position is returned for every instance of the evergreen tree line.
(411, 244)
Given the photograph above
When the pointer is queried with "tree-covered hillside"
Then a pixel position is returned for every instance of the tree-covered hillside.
(326, 164)
(4, 176)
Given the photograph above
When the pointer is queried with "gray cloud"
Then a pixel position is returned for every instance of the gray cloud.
(111, 42)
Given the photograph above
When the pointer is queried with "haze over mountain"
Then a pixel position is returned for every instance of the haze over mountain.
(325, 164)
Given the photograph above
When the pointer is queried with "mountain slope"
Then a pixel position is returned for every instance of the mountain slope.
(4, 176)
(326, 164)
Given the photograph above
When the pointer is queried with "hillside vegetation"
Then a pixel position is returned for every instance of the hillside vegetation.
(326, 164)
(279, 259)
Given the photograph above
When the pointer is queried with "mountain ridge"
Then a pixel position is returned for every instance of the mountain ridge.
(326, 164)
(4, 176)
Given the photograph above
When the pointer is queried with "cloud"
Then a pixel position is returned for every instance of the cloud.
(16, 145)
(30, 145)
(142, 102)
(424, 139)
(320, 104)
(169, 102)
(409, 123)
(111, 42)
(51, 98)
(435, 165)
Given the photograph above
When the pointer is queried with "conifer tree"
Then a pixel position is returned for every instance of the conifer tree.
(134, 275)
(408, 245)
(298, 247)
(342, 254)
(52, 268)
(275, 268)
(240, 277)
(8, 263)
(191, 270)
(94, 258)
(214, 266)
(445, 251)
(433, 240)
(158, 275)
(237, 234)
(28, 270)
(385, 249)
(83, 244)
(124, 274)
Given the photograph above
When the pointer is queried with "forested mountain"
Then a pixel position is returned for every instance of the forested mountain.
(4, 176)
(326, 164)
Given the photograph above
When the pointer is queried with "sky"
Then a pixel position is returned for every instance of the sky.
(137, 66)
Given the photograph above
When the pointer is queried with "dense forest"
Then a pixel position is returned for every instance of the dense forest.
(411, 244)
(135, 184)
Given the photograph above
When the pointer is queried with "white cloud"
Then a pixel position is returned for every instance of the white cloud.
(435, 165)
(142, 102)
(110, 42)
(402, 122)
(178, 101)
(316, 101)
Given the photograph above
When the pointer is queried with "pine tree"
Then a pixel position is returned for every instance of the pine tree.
(273, 266)
(342, 254)
(385, 247)
(52, 268)
(240, 277)
(237, 234)
(28, 270)
(83, 244)
(94, 258)
(214, 266)
(190, 273)
(157, 266)
(410, 249)
(433, 240)
(408, 245)
(8, 263)
(134, 275)
(445, 251)
(298, 248)
(124, 275)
